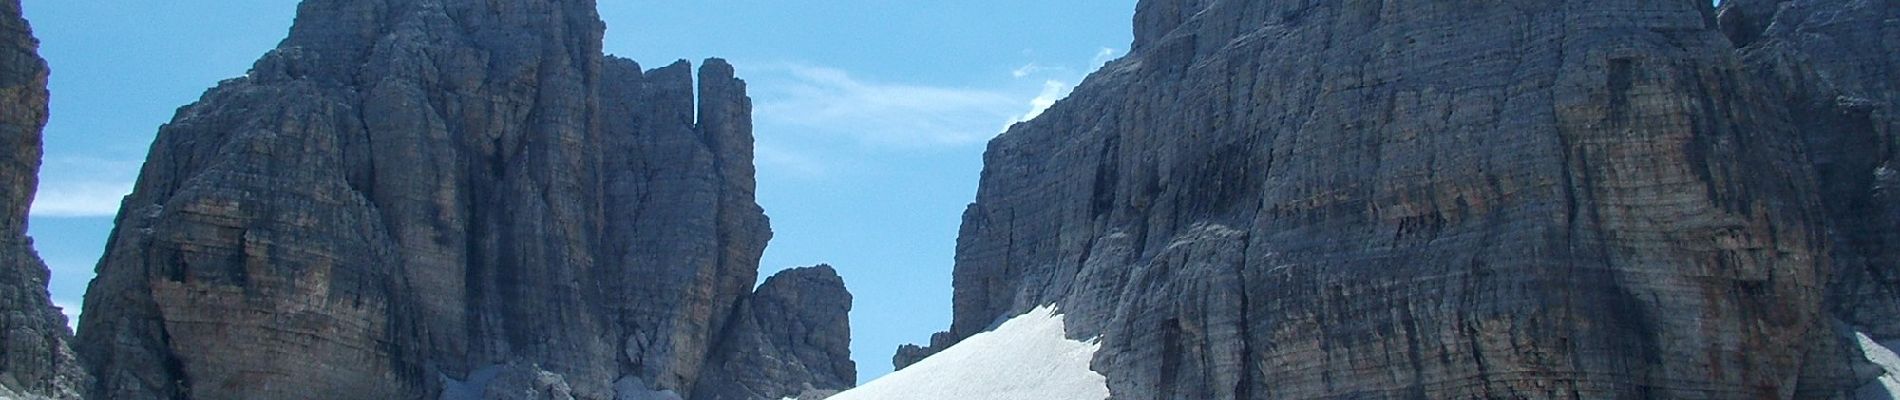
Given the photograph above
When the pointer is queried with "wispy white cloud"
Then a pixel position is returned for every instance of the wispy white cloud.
(1028, 69)
(80, 198)
(832, 101)
(1064, 71)
(1055, 89)
(1052, 90)
(83, 186)
(798, 103)
(1025, 70)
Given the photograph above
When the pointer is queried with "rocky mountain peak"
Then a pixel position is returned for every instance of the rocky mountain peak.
(408, 199)
(511, 35)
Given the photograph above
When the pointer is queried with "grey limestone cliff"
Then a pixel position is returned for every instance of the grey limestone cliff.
(36, 360)
(417, 199)
(800, 322)
(1451, 199)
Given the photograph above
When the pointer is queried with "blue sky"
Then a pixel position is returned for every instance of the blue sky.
(871, 117)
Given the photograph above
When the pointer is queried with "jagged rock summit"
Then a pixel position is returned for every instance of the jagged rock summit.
(421, 199)
(36, 360)
(1459, 199)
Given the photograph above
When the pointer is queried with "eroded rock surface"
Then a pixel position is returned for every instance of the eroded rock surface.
(36, 360)
(797, 329)
(405, 193)
(1836, 65)
(1429, 199)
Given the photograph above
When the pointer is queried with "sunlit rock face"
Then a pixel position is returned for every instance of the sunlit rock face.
(1431, 199)
(406, 193)
(36, 360)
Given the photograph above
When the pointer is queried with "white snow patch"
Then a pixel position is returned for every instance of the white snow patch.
(1026, 358)
(1888, 386)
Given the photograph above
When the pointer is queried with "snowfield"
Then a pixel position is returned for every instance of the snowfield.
(1030, 357)
(1027, 358)
(1881, 354)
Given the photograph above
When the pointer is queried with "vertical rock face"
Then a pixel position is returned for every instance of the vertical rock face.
(35, 358)
(420, 199)
(1428, 199)
(800, 322)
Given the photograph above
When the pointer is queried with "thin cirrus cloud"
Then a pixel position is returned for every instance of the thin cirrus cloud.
(796, 103)
(82, 198)
(1052, 90)
(1029, 69)
(832, 101)
(83, 187)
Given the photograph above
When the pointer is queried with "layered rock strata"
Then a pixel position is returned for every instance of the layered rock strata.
(419, 199)
(36, 360)
(1427, 199)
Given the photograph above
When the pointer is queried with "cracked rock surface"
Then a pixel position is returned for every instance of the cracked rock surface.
(408, 192)
(1432, 199)
(36, 358)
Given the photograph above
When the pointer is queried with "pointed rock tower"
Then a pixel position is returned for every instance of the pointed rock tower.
(420, 199)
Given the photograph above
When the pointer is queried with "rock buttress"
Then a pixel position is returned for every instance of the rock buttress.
(408, 199)
(1417, 199)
